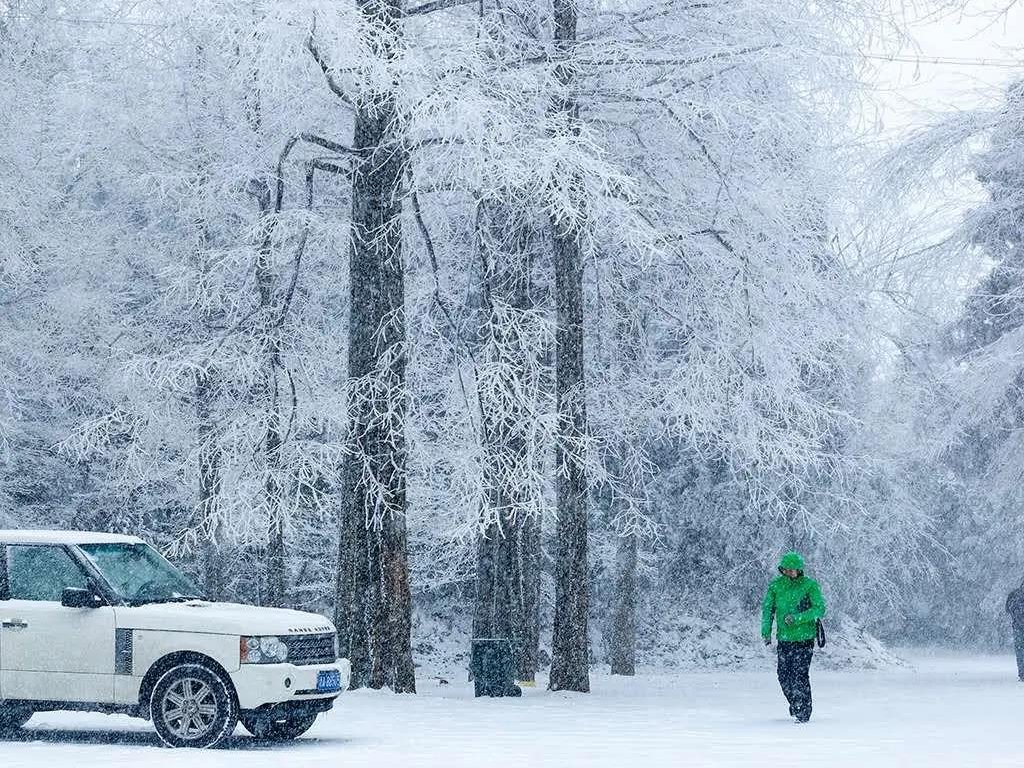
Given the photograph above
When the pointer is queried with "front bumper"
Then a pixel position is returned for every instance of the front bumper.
(261, 684)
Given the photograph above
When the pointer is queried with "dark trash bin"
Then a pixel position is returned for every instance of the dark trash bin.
(492, 665)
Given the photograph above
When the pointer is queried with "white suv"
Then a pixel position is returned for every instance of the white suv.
(95, 621)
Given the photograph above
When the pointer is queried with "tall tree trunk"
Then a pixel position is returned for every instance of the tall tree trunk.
(505, 601)
(508, 591)
(277, 577)
(527, 579)
(622, 651)
(493, 617)
(273, 590)
(212, 559)
(214, 585)
(374, 601)
(508, 552)
(570, 647)
(629, 342)
(270, 343)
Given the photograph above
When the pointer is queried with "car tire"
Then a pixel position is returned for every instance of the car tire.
(284, 728)
(193, 706)
(12, 717)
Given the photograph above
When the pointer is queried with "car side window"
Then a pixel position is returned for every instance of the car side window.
(42, 573)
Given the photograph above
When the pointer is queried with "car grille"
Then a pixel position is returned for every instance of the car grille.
(310, 649)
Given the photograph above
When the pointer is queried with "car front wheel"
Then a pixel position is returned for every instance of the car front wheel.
(282, 728)
(192, 706)
(12, 717)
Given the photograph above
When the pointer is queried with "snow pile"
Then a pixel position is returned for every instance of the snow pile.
(677, 640)
(666, 639)
(850, 646)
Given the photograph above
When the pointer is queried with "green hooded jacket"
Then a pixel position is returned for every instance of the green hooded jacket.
(800, 598)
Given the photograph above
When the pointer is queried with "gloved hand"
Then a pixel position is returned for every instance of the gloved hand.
(789, 619)
(767, 641)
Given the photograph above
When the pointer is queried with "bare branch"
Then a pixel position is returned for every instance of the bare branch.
(330, 167)
(299, 249)
(332, 82)
(428, 242)
(279, 198)
(676, 62)
(333, 146)
(436, 5)
(320, 141)
(294, 404)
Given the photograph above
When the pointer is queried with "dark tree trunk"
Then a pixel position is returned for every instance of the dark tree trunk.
(622, 649)
(352, 590)
(507, 591)
(272, 584)
(570, 645)
(212, 561)
(493, 617)
(214, 585)
(275, 592)
(374, 601)
(508, 577)
(528, 581)
(629, 339)
(570, 648)
(277, 581)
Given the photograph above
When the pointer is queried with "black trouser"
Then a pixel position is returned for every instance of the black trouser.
(1018, 646)
(795, 676)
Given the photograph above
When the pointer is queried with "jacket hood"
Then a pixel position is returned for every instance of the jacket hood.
(792, 560)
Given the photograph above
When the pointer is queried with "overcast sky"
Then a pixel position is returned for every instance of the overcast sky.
(914, 93)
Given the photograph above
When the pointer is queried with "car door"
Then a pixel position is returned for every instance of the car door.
(49, 652)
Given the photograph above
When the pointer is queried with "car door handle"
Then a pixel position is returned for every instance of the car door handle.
(15, 624)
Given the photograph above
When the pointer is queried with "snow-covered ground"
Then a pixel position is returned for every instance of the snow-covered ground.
(946, 711)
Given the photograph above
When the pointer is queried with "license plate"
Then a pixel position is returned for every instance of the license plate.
(329, 680)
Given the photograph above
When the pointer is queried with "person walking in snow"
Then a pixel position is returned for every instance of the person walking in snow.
(794, 602)
(1015, 607)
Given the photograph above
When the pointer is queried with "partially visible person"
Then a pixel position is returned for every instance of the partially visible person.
(794, 602)
(1015, 607)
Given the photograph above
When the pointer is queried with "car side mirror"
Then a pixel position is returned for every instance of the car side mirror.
(80, 598)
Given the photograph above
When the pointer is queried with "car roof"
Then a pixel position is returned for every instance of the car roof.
(65, 537)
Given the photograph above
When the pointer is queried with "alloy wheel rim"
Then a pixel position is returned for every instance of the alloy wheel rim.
(189, 708)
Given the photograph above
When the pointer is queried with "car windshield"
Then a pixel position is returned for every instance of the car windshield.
(139, 574)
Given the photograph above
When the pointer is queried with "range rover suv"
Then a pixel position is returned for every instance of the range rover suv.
(96, 621)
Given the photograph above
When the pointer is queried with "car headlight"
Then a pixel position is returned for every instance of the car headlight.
(262, 650)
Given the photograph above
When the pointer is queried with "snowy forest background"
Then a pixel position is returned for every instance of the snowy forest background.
(556, 321)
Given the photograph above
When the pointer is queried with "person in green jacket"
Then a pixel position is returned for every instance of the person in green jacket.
(795, 604)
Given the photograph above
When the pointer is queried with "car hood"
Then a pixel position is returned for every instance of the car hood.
(221, 619)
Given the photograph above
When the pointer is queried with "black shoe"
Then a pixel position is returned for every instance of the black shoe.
(802, 718)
